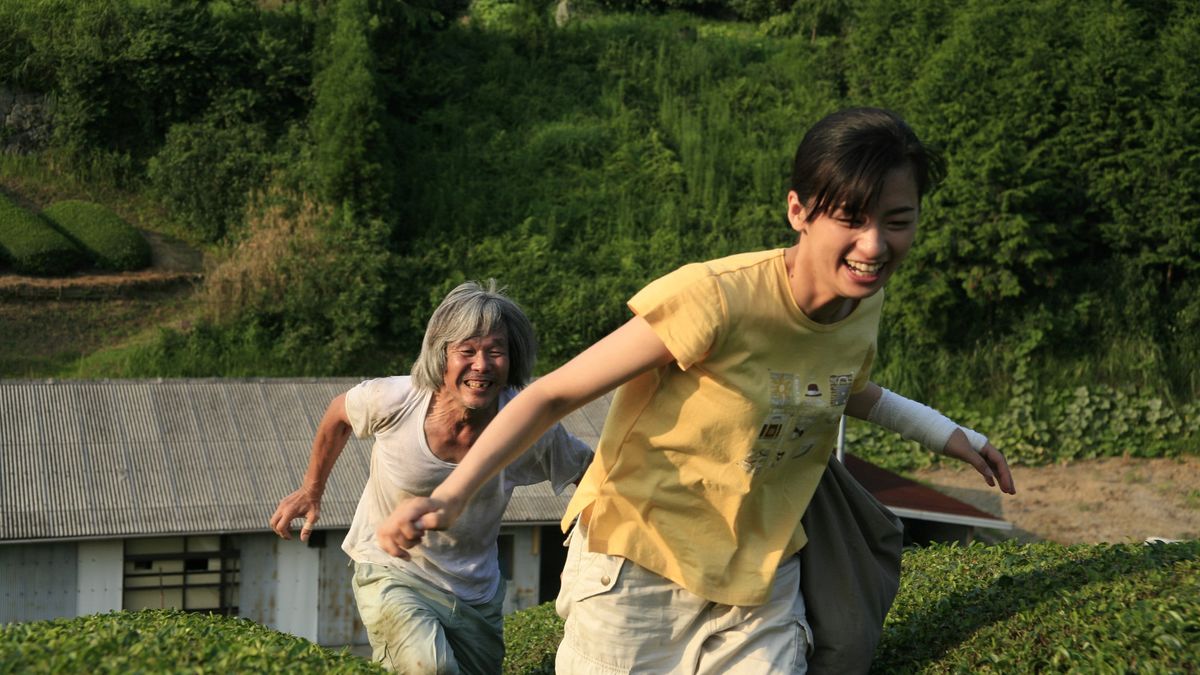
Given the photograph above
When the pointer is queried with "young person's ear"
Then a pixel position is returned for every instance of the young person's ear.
(797, 214)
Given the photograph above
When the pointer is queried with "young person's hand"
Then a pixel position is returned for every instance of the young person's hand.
(988, 461)
(405, 527)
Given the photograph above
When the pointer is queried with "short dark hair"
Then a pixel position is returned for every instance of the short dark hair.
(843, 159)
(473, 310)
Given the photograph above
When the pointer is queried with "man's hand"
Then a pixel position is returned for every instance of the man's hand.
(988, 461)
(406, 525)
(301, 503)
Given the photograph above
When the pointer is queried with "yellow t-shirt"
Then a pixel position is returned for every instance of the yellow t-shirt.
(706, 466)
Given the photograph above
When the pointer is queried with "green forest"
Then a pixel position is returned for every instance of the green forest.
(344, 164)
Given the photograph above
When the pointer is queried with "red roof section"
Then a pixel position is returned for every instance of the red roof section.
(899, 492)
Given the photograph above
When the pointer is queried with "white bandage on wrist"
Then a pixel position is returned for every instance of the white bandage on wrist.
(976, 439)
(918, 422)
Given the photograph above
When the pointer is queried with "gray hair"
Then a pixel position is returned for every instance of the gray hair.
(473, 310)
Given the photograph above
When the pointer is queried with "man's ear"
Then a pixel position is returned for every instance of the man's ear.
(797, 213)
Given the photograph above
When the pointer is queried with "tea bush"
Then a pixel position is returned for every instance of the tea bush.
(30, 245)
(112, 243)
(1006, 608)
(162, 641)
(1045, 608)
(531, 637)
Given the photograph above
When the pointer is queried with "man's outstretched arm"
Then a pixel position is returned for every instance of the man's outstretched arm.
(332, 434)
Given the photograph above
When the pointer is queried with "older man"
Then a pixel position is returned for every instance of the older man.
(437, 608)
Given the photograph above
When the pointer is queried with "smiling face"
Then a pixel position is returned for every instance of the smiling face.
(840, 259)
(476, 371)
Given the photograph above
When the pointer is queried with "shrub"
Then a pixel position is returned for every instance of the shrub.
(164, 641)
(32, 246)
(204, 172)
(1044, 607)
(112, 243)
(530, 640)
(1061, 425)
(1009, 608)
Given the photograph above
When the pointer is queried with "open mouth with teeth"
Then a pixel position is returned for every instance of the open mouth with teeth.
(867, 271)
(478, 385)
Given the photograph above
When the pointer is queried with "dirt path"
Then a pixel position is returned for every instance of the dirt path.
(1116, 500)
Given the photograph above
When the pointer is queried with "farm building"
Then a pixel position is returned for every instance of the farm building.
(156, 493)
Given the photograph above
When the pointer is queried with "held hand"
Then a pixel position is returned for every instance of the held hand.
(406, 525)
(302, 502)
(989, 461)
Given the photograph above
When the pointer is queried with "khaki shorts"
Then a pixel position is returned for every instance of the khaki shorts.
(418, 628)
(622, 618)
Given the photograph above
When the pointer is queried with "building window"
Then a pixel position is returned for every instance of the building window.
(197, 574)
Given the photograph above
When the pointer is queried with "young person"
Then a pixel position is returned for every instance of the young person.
(438, 610)
(732, 377)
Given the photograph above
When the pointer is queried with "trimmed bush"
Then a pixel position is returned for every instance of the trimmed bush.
(112, 243)
(530, 639)
(164, 641)
(1009, 608)
(1045, 607)
(32, 246)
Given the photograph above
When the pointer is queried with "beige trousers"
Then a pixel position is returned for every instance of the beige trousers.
(622, 618)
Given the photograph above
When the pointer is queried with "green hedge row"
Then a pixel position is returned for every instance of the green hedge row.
(164, 641)
(30, 245)
(67, 236)
(1008, 608)
(1046, 608)
(112, 243)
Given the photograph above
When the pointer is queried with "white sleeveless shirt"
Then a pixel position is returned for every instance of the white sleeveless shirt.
(462, 559)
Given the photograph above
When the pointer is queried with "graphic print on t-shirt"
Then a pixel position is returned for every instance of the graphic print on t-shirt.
(839, 389)
(800, 414)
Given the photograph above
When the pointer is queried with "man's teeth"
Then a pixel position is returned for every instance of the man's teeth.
(478, 385)
(864, 268)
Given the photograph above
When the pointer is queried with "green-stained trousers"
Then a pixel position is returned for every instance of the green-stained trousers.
(417, 628)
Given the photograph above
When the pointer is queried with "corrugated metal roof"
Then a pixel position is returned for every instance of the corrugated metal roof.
(108, 458)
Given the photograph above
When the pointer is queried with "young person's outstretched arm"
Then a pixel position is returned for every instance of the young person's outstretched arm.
(916, 421)
(624, 354)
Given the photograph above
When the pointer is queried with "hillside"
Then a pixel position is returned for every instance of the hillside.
(50, 324)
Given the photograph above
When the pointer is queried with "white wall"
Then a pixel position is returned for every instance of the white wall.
(100, 576)
(522, 591)
(296, 591)
(279, 583)
(339, 623)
